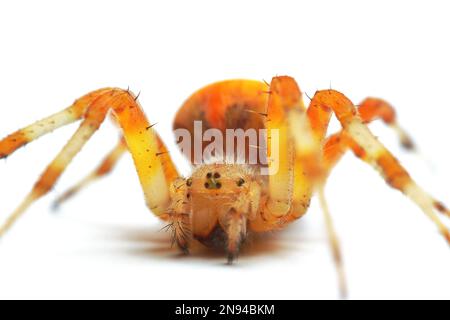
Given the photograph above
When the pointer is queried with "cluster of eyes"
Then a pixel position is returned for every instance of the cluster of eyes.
(240, 182)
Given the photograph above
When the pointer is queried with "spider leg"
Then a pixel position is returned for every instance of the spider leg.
(280, 152)
(309, 171)
(179, 215)
(304, 171)
(337, 144)
(335, 147)
(107, 165)
(292, 153)
(236, 226)
(371, 150)
(52, 173)
(141, 140)
(334, 242)
(36, 130)
(371, 109)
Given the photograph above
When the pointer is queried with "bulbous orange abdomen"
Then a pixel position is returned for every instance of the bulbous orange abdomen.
(232, 104)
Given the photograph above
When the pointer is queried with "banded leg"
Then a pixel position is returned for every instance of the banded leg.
(369, 110)
(53, 172)
(336, 146)
(280, 152)
(372, 109)
(328, 101)
(140, 138)
(236, 227)
(108, 164)
(301, 170)
(32, 132)
(292, 152)
(103, 169)
(334, 243)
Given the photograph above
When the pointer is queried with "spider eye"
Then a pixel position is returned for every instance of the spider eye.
(206, 185)
(189, 182)
(216, 175)
(209, 175)
(240, 182)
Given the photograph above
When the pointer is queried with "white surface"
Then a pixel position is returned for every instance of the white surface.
(105, 243)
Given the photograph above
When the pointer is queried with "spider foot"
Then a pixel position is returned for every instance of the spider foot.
(442, 208)
(231, 257)
(56, 205)
(181, 231)
(447, 236)
(236, 234)
(184, 248)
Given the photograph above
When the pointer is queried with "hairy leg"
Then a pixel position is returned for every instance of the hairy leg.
(281, 178)
(293, 165)
(107, 165)
(301, 170)
(369, 110)
(334, 243)
(371, 150)
(54, 170)
(153, 165)
(32, 132)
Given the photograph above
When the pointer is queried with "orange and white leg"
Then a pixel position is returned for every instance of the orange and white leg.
(107, 165)
(371, 109)
(371, 150)
(281, 153)
(53, 172)
(178, 214)
(32, 132)
(300, 165)
(335, 147)
(287, 186)
(334, 242)
(140, 138)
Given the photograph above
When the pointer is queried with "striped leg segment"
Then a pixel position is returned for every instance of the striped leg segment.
(372, 109)
(52, 173)
(103, 169)
(336, 146)
(107, 166)
(284, 96)
(32, 132)
(154, 166)
(334, 243)
(371, 150)
(369, 110)
(291, 151)
(302, 168)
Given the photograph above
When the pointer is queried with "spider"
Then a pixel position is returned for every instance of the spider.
(221, 203)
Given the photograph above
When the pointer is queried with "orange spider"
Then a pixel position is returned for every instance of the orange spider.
(221, 203)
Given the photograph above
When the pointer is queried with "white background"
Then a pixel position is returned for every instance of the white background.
(106, 244)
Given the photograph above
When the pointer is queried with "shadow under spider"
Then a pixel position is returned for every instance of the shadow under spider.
(151, 242)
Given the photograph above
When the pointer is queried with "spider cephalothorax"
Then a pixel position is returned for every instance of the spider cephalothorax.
(219, 204)
(215, 205)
